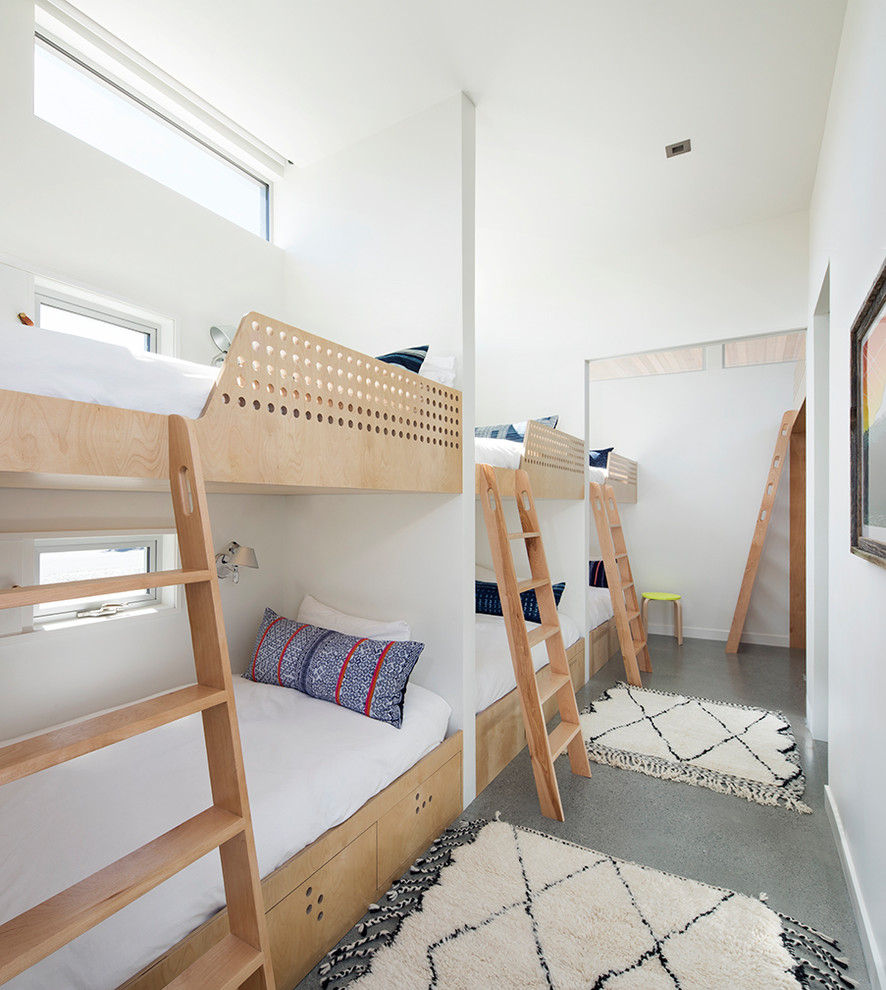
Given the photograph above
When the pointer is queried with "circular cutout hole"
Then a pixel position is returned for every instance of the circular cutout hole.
(241, 402)
(225, 398)
(256, 404)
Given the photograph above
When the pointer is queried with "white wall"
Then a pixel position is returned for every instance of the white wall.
(70, 212)
(704, 443)
(848, 232)
(379, 242)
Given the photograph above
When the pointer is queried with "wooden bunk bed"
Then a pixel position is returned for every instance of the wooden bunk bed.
(554, 460)
(501, 733)
(622, 474)
(289, 412)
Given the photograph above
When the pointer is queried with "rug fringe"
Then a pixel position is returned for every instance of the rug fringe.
(652, 766)
(817, 966)
(353, 959)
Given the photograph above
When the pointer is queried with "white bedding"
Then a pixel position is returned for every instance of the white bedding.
(309, 766)
(44, 362)
(599, 607)
(495, 670)
(498, 453)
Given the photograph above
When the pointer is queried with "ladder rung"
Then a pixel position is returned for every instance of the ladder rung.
(39, 594)
(58, 745)
(32, 936)
(532, 583)
(223, 967)
(620, 556)
(540, 634)
(561, 737)
(550, 682)
(531, 535)
(633, 615)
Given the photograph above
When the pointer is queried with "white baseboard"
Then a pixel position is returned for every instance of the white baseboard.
(721, 635)
(873, 958)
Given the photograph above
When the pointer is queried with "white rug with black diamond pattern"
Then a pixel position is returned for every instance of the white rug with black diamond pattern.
(733, 749)
(493, 905)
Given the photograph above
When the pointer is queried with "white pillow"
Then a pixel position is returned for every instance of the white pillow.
(327, 617)
(439, 369)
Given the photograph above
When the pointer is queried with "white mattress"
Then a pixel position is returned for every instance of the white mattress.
(598, 474)
(44, 362)
(599, 607)
(495, 670)
(309, 766)
(498, 453)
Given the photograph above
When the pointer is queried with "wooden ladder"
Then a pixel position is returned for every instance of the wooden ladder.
(782, 445)
(241, 958)
(625, 605)
(534, 689)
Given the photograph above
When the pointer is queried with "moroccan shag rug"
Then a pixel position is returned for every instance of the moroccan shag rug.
(733, 749)
(493, 905)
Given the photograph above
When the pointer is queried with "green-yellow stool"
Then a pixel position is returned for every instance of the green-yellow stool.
(664, 596)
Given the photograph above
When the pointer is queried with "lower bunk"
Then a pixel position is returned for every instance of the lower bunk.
(341, 805)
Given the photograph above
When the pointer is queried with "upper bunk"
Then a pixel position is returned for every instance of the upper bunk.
(289, 411)
(555, 461)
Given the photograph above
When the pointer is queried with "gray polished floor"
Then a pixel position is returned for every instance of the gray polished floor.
(691, 831)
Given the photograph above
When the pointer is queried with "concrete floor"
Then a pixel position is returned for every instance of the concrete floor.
(693, 832)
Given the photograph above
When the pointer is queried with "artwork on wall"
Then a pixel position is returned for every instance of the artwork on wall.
(868, 426)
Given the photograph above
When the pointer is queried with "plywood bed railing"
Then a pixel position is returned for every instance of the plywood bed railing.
(554, 460)
(289, 411)
(622, 475)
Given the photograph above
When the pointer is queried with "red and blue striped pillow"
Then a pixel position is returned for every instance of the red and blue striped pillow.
(368, 676)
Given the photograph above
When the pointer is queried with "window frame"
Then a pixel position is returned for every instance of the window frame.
(71, 304)
(58, 612)
(131, 77)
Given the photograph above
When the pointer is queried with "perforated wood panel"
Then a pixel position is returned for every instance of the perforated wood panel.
(309, 412)
(555, 461)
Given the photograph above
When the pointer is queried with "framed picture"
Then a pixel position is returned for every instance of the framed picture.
(867, 426)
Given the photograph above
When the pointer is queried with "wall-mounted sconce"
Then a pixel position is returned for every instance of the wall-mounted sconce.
(231, 559)
(222, 337)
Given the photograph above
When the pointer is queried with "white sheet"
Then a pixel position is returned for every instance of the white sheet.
(498, 453)
(495, 671)
(309, 766)
(44, 362)
(598, 474)
(599, 607)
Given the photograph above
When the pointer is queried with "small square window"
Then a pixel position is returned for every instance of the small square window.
(65, 316)
(60, 561)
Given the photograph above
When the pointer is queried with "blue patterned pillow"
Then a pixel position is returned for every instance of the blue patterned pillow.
(512, 431)
(488, 602)
(597, 575)
(600, 458)
(366, 675)
(410, 358)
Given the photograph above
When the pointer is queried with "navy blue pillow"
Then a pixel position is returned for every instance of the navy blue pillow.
(488, 601)
(512, 431)
(410, 358)
(599, 458)
(368, 676)
(597, 576)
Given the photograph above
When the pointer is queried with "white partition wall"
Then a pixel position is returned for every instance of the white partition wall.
(379, 242)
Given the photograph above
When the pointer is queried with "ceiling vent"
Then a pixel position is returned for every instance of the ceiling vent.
(680, 148)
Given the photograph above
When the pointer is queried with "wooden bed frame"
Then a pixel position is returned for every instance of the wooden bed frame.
(290, 411)
(318, 895)
(622, 475)
(500, 731)
(554, 460)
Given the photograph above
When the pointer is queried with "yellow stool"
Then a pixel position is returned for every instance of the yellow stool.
(664, 596)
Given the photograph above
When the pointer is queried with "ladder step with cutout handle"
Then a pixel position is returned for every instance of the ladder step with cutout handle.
(534, 689)
(241, 958)
(610, 535)
(782, 446)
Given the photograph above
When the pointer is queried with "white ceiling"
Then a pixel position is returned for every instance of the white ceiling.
(576, 99)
